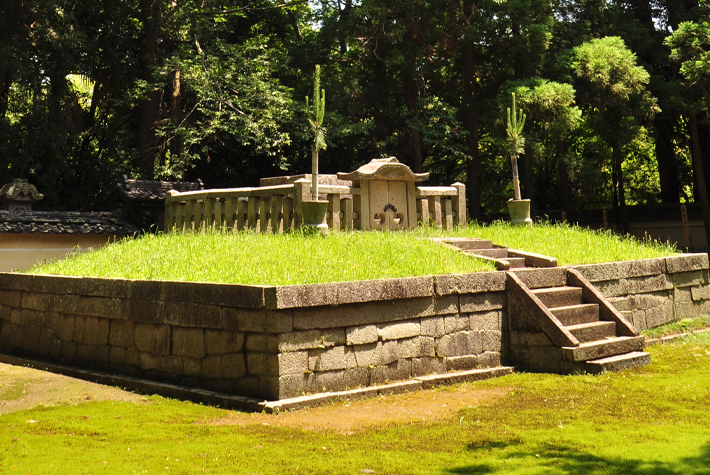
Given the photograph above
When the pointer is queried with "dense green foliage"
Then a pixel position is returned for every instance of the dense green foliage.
(265, 259)
(650, 420)
(615, 93)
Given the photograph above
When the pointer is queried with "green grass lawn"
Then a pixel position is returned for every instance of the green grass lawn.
(651, 420)
(249, 258)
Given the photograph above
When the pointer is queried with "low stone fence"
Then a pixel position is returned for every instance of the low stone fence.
(279, 342)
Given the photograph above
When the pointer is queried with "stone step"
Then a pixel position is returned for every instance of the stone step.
(554, 297)
(602, 349)
(515, 262)
(577, 314)
(469, 244)
(497, 253)
(618, 362)
(593, 331)
(543, 277)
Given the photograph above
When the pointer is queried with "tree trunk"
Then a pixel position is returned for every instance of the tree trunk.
(176, 113)
(619, 185)
(528, 192)
(473, 167)
(699, 173)
(667, 164)
(150, 108)
(415, 141)
(5, 82)
(564, 175)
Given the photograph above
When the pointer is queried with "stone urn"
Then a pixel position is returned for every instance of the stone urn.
(314, 216)
(519, 212)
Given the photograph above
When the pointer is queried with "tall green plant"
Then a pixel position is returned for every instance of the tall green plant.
(516, 143)
(316, 114)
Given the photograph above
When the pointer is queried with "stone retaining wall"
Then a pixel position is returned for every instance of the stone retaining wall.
(279, 342)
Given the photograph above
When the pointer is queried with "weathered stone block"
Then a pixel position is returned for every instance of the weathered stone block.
(144, 337)
(234, 366)
(30, 338)
(249, 386)
(328, 359)
(121, 333)
(639, 285)
(356, 378)
(86, 354)
(187, 314)
(333, 336)
(686, 279)
(529, 339)
(69, 350)
(446, 305)
(262, 364)
(55, 349)
(623, 304)
(687, 310)
(218, 342)
(432, 326)
(492, 340)
(96, 331)
(701, 292)
(16, 316)
(600, 272)
(32, 317)
(611, 288)
(655, 317)
(489, 360)
(295, 341)
(682, 295)
(361, 335)
(295, 362)
(428, 365)
(395, 371)
(641, 267)
(362, 314)
(266, 321)
(341, 293)
(49, 302)
(133, 356)
(456, 323)
(646, 301)
(638, 319)
(489, 321)
(374, 354)
(191, 366)
(189, 342)
(262, 343)
(46, 338)
(417, 347)
(100, 307)
(461, 363)
(10, 298)
(211, 367)
(481, 302)
(460, 344)
(166, 364)
(147, 311)
(543, 277)
(79, 323)
(117, 355)
(469, 283)
(686, 262)
(396, 331)
(21, 282)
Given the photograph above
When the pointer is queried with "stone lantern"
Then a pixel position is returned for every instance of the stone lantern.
(19, 195)
(387, 198)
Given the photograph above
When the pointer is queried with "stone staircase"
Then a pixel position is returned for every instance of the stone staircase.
(503, 257)
(560, 323)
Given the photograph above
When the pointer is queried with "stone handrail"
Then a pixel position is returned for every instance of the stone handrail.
(443, 206)
(254, 208)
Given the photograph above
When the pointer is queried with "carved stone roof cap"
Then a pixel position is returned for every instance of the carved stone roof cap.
(20, 189)
(65, 222)
(132, 191)
(384, 169)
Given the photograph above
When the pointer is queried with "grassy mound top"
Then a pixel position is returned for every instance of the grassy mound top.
(249, 258)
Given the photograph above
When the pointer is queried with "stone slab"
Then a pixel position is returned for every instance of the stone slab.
(537, 278)
(340, 293)
(436, 380)
(469, 283)
(687, 262)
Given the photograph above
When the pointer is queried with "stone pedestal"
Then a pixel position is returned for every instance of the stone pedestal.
(519, 212)
(314, 216)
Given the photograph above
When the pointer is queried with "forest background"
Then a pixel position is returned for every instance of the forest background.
(615, 94)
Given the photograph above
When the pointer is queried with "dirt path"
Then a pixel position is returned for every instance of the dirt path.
(25, 388)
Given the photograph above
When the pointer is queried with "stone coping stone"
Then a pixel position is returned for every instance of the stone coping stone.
(474, 282)
(435, 380)
(687, 262)
(338, 293)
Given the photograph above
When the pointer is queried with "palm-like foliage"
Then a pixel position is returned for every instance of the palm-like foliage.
(516, 142)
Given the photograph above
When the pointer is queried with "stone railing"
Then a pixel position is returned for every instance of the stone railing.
(277, 208)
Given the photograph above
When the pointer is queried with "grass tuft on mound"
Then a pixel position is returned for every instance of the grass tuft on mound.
(266, 259)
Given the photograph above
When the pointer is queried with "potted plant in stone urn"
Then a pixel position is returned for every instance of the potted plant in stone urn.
(518, 208)
(314, 210)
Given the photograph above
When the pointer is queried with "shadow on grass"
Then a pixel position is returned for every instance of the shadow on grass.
(562, 459)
